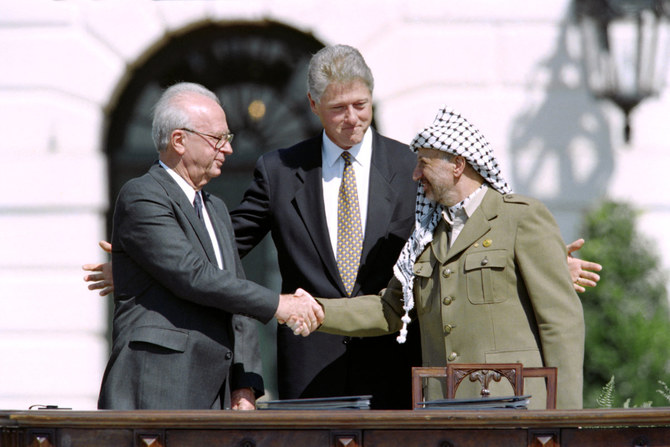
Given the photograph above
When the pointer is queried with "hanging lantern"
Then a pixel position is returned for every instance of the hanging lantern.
(626, 49)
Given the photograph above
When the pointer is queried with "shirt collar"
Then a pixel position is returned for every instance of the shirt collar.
(468, 206)
(475, 199)
(361, 152)
(183, 184)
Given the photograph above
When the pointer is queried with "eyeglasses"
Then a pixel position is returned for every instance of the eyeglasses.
(220, 140)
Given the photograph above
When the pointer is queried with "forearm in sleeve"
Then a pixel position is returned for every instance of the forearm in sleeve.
(364, 316)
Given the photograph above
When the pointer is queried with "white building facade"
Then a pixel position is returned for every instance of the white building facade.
(513, 68)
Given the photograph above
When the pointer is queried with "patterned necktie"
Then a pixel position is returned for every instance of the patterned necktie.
(349, 232)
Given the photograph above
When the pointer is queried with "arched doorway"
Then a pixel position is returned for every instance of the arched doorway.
(259, 72)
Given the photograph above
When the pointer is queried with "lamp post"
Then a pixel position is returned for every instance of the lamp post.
(626, 49)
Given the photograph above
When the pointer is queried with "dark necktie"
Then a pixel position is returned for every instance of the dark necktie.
(349, 232)
(197, 204)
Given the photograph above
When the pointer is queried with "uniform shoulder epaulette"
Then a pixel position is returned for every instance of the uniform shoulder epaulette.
(516, 198)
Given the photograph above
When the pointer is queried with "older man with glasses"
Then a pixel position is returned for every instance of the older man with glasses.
(182, 338)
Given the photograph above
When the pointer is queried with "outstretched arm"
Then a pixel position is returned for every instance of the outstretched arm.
(582, 272)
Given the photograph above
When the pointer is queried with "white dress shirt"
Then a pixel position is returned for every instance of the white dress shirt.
(190, 194)
(332, 165)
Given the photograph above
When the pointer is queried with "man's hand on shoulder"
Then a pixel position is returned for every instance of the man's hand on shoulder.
(582, 272)
(102, 277)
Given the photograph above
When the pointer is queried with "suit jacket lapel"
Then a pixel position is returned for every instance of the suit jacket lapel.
(308, 201)
(223, 230)
(177, 195)
(381, 198)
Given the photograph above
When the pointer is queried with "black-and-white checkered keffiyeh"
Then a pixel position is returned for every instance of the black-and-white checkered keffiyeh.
(452, 133)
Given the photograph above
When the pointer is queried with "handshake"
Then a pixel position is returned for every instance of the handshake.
(300, 312)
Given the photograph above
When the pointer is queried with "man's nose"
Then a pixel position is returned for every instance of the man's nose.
(417, 174)
(227, 148)
(350, 114)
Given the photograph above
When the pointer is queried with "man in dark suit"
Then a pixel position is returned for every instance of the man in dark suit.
(181, 336)
(294, 195)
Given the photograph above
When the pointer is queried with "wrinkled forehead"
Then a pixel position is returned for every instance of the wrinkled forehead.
(349, 89)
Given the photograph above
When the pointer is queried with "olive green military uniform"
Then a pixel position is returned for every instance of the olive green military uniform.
(501, 294)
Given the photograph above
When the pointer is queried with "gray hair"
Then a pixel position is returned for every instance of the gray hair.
(336, 63)
(169, 114)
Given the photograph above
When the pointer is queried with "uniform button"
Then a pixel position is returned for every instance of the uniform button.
(447, 300)
(485, 261)
(446, 272)
(448, 328)
(452, 356)
(229, 355)
(346, 340)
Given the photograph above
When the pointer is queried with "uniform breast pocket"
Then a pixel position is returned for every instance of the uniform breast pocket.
(485, 277)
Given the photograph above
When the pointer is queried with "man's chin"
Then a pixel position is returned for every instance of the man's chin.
(351, 140)
(215, 171)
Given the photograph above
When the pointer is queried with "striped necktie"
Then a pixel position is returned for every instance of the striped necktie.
(349, 232)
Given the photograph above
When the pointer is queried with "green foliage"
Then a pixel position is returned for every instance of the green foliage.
(627, 317)
(646, 404)
(606, 397)
(665, 392)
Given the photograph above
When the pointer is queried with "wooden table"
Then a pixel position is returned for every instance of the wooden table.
(343, 428)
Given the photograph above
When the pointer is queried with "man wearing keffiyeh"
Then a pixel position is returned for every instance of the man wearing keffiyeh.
(484, 272)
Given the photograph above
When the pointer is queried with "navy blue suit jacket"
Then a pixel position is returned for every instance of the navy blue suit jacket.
(286, 200)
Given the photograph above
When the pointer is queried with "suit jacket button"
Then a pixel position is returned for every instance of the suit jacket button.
(346, 340)
(229, 355)
(452, 356)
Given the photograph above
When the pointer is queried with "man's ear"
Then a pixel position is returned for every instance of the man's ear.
(312, 104)
(459, 165)
(177, 141)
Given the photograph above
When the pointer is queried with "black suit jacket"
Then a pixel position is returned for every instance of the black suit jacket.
(177, 342)
(286, 199)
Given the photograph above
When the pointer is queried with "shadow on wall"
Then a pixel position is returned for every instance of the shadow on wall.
(560, 146)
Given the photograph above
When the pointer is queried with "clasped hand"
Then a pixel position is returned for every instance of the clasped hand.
(300, 312)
